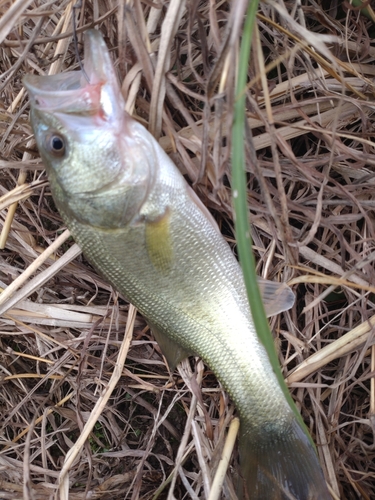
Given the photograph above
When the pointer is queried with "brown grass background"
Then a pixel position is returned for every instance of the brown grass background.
(310, 121)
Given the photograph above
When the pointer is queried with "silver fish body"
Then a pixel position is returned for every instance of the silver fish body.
(146, 232)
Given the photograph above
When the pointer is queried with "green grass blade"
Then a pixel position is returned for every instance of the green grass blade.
(239, 193)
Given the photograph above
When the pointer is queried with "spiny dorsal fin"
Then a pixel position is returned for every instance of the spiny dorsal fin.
(198, 202)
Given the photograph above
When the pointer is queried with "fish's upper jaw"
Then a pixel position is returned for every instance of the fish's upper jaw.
(95, 90)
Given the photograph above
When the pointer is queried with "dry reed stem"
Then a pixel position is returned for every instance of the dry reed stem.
(98, 408)
(310, 109)
(218, 481)
(337, 349)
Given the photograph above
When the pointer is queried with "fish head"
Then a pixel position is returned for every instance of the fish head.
(99, 167)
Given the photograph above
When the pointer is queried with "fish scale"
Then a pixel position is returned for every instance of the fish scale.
(145, 231)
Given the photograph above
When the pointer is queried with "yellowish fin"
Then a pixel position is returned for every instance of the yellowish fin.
(159, 242)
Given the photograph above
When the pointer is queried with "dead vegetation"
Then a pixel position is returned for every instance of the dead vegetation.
(311, 115)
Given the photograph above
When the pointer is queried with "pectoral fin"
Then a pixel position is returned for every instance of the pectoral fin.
(159, 242)
(277, 297)
(171, 350)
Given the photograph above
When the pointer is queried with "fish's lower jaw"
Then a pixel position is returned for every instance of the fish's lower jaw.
(280, 465)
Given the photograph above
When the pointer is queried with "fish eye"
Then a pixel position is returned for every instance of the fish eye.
(55, 144)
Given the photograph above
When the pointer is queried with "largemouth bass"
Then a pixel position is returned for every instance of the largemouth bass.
(143, 228)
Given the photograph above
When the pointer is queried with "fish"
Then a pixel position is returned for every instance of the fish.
(148, 234)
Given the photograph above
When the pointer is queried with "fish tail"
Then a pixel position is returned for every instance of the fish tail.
(280, 465)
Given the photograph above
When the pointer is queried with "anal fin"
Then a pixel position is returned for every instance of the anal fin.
(171, 350)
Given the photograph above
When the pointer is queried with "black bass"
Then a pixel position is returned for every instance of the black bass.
(143, 228)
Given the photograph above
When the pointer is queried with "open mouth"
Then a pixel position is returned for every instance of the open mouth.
(75, 91)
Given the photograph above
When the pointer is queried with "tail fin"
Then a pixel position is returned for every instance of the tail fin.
(280, 467)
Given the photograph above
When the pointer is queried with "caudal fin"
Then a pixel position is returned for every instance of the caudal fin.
(280, 467)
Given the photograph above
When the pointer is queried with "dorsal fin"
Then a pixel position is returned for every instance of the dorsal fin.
(277, 297)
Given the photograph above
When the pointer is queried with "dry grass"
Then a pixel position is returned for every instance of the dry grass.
(311, 113)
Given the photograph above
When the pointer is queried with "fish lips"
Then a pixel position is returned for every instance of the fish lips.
(92, 90)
